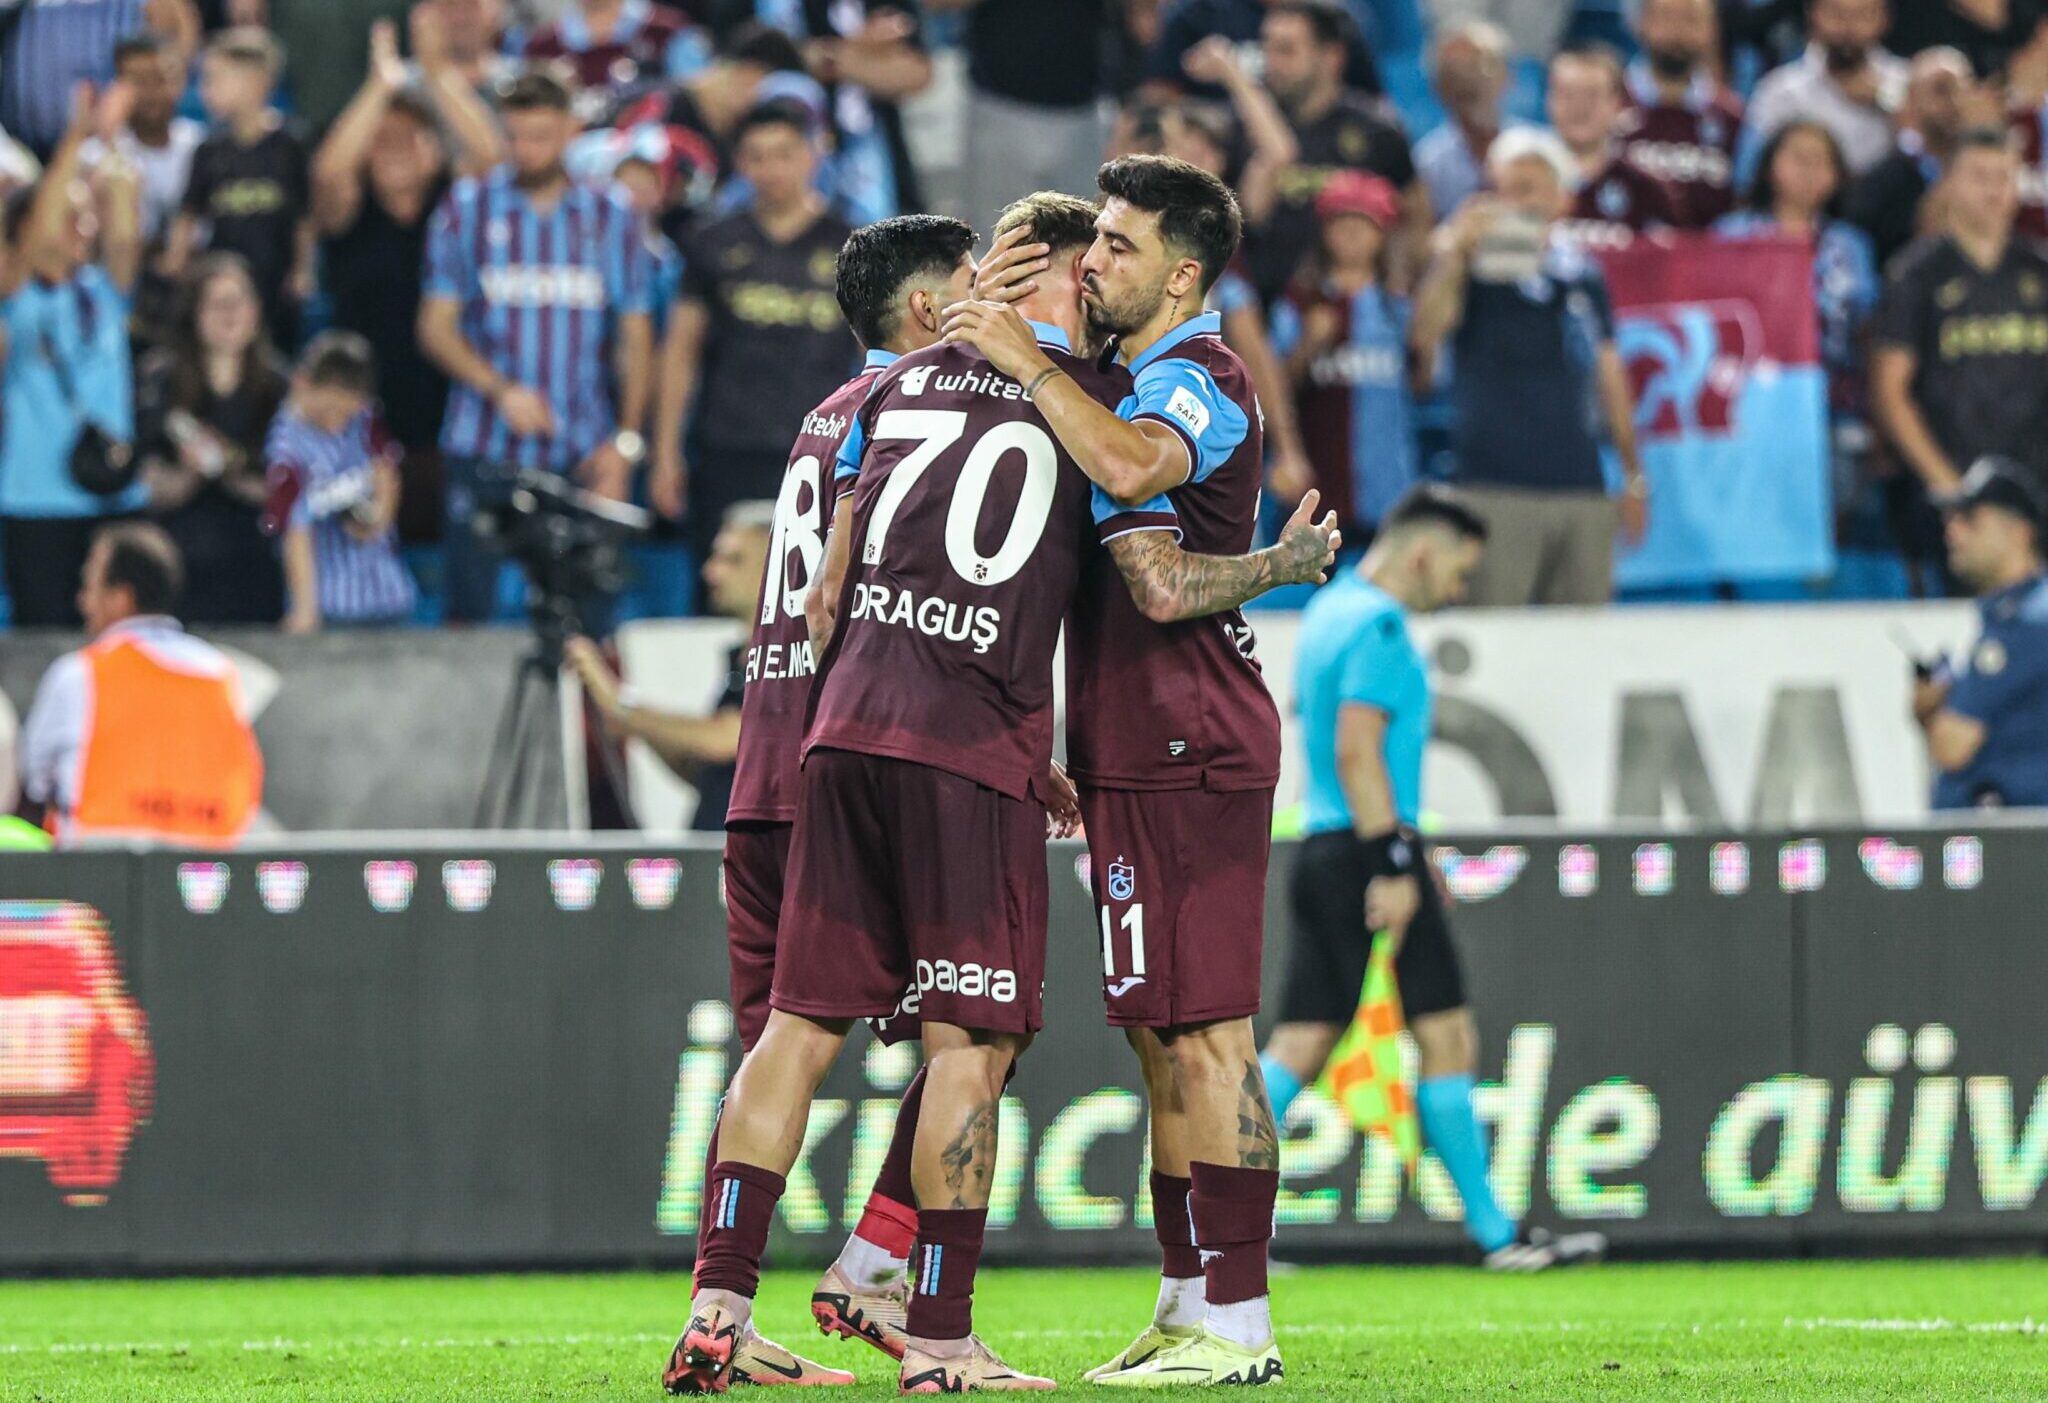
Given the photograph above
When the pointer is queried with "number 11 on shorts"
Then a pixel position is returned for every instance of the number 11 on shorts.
(1133, 925)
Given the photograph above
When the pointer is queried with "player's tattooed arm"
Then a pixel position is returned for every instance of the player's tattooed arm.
(1258, 1138)
(1169, 584)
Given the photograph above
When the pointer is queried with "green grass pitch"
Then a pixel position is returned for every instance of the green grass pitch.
(1793, 1331)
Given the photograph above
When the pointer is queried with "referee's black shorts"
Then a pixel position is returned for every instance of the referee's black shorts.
(1326, 958)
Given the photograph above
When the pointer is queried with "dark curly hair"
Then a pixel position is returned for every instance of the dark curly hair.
(1198, 216)
(879, 260)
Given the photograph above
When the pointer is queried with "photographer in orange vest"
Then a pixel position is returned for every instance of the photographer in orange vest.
(142, 732)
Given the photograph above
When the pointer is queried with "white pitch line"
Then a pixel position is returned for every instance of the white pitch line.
(280, 1345)
(1922, 1325)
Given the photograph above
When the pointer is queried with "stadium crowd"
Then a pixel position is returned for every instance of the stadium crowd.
(306, 282)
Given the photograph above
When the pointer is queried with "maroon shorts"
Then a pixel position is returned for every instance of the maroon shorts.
(756, 859)
(1179, 877)
(912, 890)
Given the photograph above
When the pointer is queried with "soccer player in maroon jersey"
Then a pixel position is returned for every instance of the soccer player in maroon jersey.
(916, 859)
(893, 277)
(1175, 744)
(1682, 123)
(1617, 199)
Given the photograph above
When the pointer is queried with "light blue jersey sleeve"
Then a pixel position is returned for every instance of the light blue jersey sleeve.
(846, 467)
(1184, 396)
(1114, 519)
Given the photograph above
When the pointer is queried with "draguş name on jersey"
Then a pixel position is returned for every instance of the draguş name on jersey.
(933, 617)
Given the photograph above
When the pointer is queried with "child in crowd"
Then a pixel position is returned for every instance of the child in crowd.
(251, 186)
(334, 492)
(1343, 338)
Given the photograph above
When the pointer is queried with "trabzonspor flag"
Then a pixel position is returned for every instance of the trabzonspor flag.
(1723, 349)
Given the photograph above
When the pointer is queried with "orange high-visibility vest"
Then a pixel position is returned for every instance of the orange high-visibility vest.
(165, 755)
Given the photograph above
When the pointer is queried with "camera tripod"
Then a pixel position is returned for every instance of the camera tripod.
(526, 784)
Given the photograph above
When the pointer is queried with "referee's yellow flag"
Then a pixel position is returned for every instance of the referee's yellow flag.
(1365, 1074)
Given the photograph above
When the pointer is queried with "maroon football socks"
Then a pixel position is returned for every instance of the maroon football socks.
(1171, 1220)
(890, 1219)
(942, 1272)
(739, 1204)
(1232, 1209)
(710, 1167)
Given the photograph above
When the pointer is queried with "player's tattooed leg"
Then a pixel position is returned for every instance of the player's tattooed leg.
(969, 1159)
(1258, 1139)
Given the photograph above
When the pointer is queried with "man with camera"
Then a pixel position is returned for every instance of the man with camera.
(1985, 714)
(1535, 370)
(538, 302)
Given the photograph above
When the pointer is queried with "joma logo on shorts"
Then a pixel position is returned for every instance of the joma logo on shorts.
(968, 981)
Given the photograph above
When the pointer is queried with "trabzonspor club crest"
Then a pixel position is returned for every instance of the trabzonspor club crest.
(1689, 363)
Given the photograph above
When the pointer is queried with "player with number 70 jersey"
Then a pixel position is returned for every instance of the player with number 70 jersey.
(918, 858)
(971, 525)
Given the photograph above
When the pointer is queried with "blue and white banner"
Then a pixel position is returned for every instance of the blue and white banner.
(1723, 351)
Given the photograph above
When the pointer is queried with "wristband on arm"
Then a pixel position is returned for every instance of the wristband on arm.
(1396, 853)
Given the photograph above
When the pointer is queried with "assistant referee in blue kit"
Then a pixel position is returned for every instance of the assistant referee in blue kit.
(1362, 689)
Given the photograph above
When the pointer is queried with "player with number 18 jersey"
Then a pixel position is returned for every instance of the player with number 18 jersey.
(918, 856)
(779, 671)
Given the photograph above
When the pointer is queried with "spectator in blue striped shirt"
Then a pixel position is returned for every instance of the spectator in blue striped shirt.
(47, 48)
(538, 302)
(334, 492)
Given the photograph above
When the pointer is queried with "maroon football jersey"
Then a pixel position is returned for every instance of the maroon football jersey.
(1620, 203)
(970, 525)
(2030, 125)
(779, 662)
(1184, 705)
(1690, 146)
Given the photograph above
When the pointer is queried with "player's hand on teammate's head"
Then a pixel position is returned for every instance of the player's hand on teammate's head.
(999, 332)
(1008, 272)
(962, 321)
(1307, 549)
